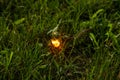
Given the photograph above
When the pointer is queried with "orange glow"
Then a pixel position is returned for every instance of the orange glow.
(55, 42)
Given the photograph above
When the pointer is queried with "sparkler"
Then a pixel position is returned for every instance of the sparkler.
(55, 42)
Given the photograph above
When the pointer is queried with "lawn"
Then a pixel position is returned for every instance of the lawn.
(59, 39)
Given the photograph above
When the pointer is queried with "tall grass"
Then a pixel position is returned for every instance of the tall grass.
(24, 50)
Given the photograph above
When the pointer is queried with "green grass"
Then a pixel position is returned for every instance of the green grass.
(24, 39)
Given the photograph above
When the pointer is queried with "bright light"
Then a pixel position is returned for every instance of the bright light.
(55, 42)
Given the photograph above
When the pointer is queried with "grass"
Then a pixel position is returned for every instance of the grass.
(24, 50)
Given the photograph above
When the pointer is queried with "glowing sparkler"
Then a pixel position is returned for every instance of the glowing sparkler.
(55, 42)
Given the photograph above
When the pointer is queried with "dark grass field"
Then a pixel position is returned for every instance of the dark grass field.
(89, 34)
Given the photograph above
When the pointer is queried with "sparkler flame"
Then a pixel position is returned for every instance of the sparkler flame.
(55, 42)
